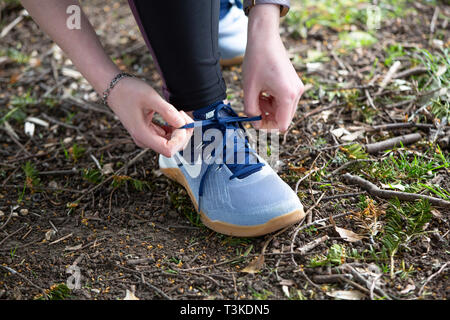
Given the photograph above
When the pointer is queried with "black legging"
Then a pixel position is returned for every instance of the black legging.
(182, 36)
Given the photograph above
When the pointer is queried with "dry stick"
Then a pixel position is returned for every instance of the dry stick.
(130, 163)
(402, 125)
(432, 276)
(390, 143)
(388, 194)
(410, 72)
(311, 171)
(13, 138)
(330, 278)
(89, 106)
(360, 278)
(345, 165)
(24, 278)
(62, 124)
(15, 22)
(391, 72)
(311, 245)
(299, 227)
(372, 286)
(343, 195)
(11, 234)
(433, 20)
(159, 291)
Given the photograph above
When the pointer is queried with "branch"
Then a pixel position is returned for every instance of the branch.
(390, 143)
(388, 194)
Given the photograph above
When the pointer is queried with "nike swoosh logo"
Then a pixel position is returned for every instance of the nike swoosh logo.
(193, 170)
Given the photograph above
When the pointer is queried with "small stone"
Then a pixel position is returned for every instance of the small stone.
(14, 214)
(53, 184)
(1, 213)
(49, 234)
(24, 212)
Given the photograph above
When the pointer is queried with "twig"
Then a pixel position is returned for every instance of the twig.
(298, 228)
(388, 194)
(15, 22)
(391, 72)
(391, 143)
(89, 106)
(410, 72)
(432, 276)
(130, 163)
(13, 136)
(343, 195)
(159, 291)
(363, 280)
(14, 272)
(433, 20)
(347, 164)
(11, 234)
(402, 125)
(311, 245)
(53, 120)
(330, 278)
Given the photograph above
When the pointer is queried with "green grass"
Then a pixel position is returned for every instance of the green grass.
(338, 14)
(32, 180)
(414, 172)
(404, 224)
(57, 292)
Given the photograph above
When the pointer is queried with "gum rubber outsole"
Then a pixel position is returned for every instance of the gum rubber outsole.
(231, 229)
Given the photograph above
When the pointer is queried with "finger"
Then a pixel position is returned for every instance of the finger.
(168, 112)
(251, 105)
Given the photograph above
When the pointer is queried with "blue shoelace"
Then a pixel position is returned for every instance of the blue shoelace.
(224, 123)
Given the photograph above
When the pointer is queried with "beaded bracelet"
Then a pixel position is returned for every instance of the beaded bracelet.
(113, 83)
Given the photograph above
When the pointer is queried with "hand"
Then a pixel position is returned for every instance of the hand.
(135, 103)
(272, 87)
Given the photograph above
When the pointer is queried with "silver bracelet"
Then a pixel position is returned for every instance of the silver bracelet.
(113, 83)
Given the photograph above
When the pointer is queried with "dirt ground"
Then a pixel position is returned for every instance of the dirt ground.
(127, 227)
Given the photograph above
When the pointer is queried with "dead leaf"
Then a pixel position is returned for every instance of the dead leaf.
(348, 235)
(255, 266)
(408, 288)
(339, 132)
(436, 213)
(49, 234)
(108, 168)
(347, 294)
(352, 136)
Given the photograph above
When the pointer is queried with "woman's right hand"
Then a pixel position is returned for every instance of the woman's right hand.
(135, 103)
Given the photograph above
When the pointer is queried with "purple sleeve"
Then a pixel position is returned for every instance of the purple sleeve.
(284, 5)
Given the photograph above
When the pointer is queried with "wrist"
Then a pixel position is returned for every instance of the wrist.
(264, 18)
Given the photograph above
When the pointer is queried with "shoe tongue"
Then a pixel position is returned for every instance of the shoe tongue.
(209, 112)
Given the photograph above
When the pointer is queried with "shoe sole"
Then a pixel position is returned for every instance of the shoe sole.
(232, 229)
(231, 62)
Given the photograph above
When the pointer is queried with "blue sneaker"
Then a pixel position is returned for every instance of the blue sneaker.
(232, 32)
(245, 200)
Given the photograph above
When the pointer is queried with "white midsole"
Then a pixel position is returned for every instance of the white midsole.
(166, 163)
